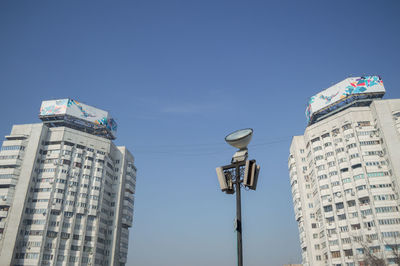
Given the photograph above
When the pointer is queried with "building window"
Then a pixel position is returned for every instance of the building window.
(339, 205)
(346, 126)
(346, 240)
(356, 166)
(313, 225)
(335, 254)
(362, 187)
(346, 180)
(344, 228)
(355, 226)
(328, 144)
(315, 139)
(351, 203)
(348, 252)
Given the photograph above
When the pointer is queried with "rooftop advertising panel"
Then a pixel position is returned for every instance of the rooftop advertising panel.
(54, 107)
(79, 110)
(343, 90)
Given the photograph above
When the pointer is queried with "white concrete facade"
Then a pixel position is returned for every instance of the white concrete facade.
(66, 198)
(345, 179)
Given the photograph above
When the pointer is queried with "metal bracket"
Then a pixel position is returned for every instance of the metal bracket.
(239, 156)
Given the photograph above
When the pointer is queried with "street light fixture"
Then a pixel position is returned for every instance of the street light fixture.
(240, 138)
(232, 174)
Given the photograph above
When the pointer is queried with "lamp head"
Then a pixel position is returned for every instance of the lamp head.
(240, 138)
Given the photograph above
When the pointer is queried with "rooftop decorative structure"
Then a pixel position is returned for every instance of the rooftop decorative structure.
(71, 113)
(349, 92)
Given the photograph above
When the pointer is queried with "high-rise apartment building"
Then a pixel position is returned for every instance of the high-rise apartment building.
(66, 191)
(345, 176)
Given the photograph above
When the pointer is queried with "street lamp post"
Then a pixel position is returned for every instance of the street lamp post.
(231, 174)
(239, 217)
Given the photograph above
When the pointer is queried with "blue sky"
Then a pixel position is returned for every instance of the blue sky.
(180, 75)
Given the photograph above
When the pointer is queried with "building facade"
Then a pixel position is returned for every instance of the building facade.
(66, 191)
(344, 174)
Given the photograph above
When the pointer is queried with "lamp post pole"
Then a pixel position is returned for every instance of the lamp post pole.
(230, 176)
(238, 217)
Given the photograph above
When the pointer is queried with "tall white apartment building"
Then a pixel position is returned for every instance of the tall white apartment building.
(66, 191)
(345, 176)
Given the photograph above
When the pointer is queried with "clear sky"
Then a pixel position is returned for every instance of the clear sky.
(179, 76)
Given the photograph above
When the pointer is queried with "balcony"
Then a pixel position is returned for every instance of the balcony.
(122, 259)
(14, 153)
(68, 208)
(333, 236)
(73, 188)
(320, 162)
(294, 187)
(75, 171)
(8, 181)
(328, 214)
(334, 247)
(127, 212)
(352, 150)
(60, 186)
(66, 147)
(316, 144)
(343, 164)
(127, 222)
(353, 220)
(95, 192)
(100, 156)
(89, 163)
(351, 209)
(13, 171)
(326, 201)
(338, 198)
(347, 245)
(7, 200)
(66, 157)
(355, 163)
(362, 193)
(77, 160)
(92, 212)
(86, 171)
(80, 210)
(129, 187)
(298, 215)
(331, 225)
(130, 179)
(336, 189)
(360, 182)
(97, 183)
(347, 186)
(129, 204)
(56, 206)
(340, 211)
(11, 162)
